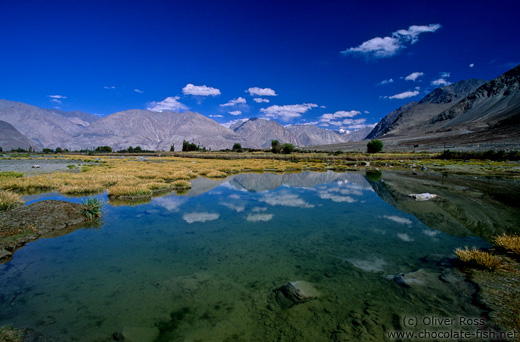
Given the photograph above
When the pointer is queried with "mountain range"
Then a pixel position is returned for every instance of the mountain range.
(469, 111)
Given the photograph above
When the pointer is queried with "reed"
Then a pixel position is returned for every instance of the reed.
(9, 200)
(510, 243)
(478, 257)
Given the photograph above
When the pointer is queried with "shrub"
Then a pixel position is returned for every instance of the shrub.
(287, 148)
(374, 146)
(509, 243)
(478, 257)
(275, 146)
(93, 207)
(237, 147)
(172, 148)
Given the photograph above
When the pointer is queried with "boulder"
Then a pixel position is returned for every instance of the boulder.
(423, 197)
(295, 292)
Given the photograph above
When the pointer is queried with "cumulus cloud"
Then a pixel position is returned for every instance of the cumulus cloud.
(235, 112)
(202, 90)
(234, 102)
(260, 100)
(442, 80)
(414, 76)
(138, 91)
(200, 217)
(259, 217)
(261, 91)
(471, 65)
(287, 112)
(169, 103)
(230, 123)
(383, 82)
(339, 115)
(286, 199)
(404, 95)
(389, 46)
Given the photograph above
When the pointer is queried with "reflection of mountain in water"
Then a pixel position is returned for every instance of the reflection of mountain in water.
(464, 206)
(269, 181)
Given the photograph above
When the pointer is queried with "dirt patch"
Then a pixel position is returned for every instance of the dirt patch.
(47, 218)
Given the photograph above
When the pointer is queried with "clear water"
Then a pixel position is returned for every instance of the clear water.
(203, 266)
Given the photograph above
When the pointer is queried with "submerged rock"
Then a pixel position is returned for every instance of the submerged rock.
(295, 292)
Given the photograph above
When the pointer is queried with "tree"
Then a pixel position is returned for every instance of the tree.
(59, 150)
(287, 148)
(47, 150)
(103, 149)
(275, 146)
(237, 147)
(1, 149)
(374, 146)
(172, 148)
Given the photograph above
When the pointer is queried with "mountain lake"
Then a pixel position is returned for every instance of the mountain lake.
(211, 264)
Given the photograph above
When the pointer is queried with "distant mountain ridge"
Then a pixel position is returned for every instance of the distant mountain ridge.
(11, 139)
(411, 117)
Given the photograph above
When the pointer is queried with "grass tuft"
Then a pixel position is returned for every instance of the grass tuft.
(9, 200)
(10, 334)
(510, 243)
(93, 207)
(181, 184)
(478, 257)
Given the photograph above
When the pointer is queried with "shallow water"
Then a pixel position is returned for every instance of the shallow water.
(203, 267)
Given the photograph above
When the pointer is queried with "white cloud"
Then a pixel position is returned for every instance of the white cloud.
(441, 82)
(230, 123)
(471, 65)
(287, 112)
(414, 76)
(445, 74)
(235, 112)
(383, 82)
(202, 90)
(261, 91)
(335, 198)
(169, 103)
(404, 95)
(286, 199)
(258, 209)
(234, 102)
(389, 46)
(398, 219)
(338, 115)
(260, 100)
(138, 91)
(431, 232)
(56, 101)
(200, 217)
(259, 217)
(216, 116)
(109, 87)
(170, 203)
(57, 96)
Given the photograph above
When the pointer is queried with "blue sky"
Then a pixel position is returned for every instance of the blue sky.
(338, 64)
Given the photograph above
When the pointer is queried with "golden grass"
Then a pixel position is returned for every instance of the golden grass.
(510, 243)
(9, 200)
(181, 184)
(478, 257)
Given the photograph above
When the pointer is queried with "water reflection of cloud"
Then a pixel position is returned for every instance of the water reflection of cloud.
(431, 232)
(404, 237)
(377, 265)
(398, 219)
(200, 217)
(285, 199)
(234, 196)
(259, 217)
(258, 209)
(170, 203)
(334, 197)
(235, 207)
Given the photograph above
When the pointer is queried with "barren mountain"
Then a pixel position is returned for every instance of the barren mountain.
(411, 118)
(308, 135)
(46, 127)
(258, 133)
(10, 138)
(154, 131)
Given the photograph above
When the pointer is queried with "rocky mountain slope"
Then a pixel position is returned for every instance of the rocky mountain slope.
(10, 138)
(411, 117)
(45, 127)
(258, 133)
(154, 131)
